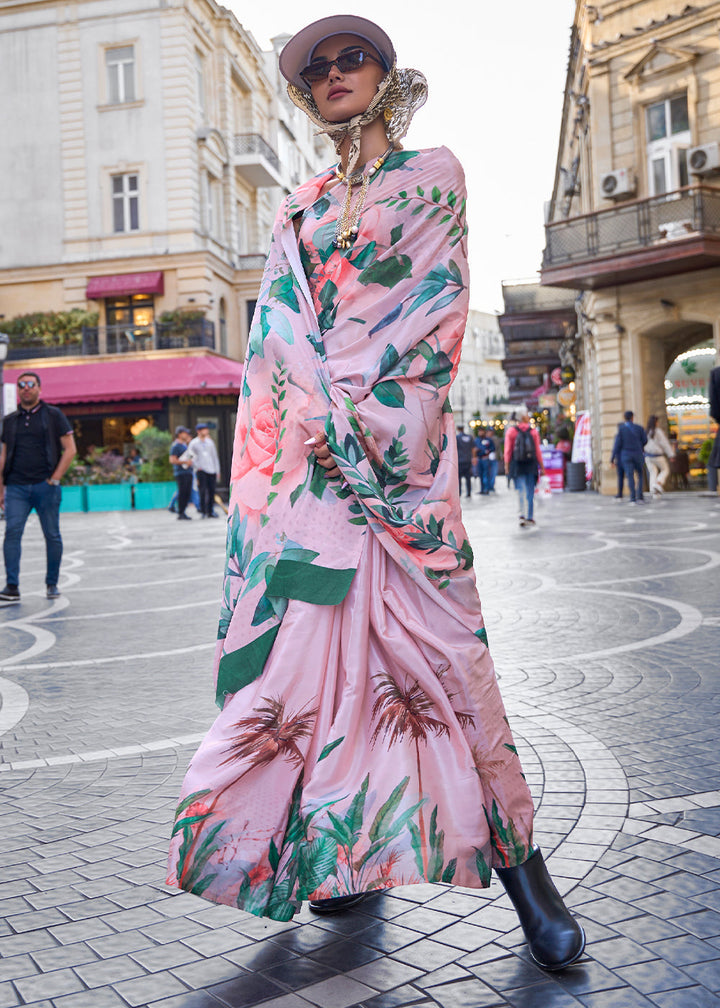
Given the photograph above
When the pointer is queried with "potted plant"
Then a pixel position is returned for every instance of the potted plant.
(105, 491)
(156, 485)
(74, 493)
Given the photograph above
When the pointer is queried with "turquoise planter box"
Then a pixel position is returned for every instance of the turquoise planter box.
(109, 497)
(153, 495)
(74, 498)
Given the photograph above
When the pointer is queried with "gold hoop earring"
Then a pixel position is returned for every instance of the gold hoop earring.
(388, 114)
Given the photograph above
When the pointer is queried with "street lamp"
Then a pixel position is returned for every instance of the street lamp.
(4, 347)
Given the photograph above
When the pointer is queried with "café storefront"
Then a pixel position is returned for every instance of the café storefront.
(109, 400)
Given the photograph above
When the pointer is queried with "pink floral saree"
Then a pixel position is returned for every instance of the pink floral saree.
(362, 741)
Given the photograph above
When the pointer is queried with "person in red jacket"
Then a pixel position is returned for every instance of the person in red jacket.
(523, 464)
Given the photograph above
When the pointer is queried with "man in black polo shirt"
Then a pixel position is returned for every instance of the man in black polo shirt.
(36, 450)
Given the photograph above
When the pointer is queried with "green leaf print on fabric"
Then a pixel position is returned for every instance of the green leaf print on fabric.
(294, 869)
(283, 290)
(387, 320)
(432, 207)
(271, 320)
(191, 863)
(362, 255)
(329, 748)
(506, 841)
(328, 294)
(359, 860)
(389, 393)
(483, 868)
(387, 272)
(243, 666)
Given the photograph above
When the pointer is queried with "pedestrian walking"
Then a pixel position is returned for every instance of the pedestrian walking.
(615, 461)
(36, 451)
(465, 457)
(182, 470)
(486, 455)
(362, 741)
(628, 453)
(524, 465)
(657, 453)
(206, 464)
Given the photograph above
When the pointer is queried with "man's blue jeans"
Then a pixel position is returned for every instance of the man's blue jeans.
(20, 499)
(525, 484)
(484, 469)
(632, 466)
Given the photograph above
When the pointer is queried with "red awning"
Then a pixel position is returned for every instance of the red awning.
(117, 285)
(135, 378)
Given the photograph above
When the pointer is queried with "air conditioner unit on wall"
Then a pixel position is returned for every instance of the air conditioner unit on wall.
(704, 160)
(617, 183)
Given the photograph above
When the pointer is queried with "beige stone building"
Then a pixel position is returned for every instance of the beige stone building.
(146, 149)
(634, 219)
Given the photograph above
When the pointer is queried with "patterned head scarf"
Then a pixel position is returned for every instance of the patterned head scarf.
(400, 94)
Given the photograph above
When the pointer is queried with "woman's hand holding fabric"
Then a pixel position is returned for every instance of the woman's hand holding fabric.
(322, 454)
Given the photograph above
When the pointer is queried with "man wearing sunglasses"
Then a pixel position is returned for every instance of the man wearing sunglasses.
(36, 449)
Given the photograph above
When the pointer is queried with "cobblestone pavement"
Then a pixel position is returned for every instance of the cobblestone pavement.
(604, 626)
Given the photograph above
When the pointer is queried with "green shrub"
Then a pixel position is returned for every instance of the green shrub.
(49, 328)
(154, 445)
(704, 452)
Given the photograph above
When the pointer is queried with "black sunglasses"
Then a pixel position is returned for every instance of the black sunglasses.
(346, 62)
(27, 384)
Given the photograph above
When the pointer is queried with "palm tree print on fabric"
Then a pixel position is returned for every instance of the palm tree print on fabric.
(267, 734)
(406, 710)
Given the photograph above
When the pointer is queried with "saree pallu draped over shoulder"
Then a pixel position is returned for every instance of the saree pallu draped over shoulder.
(362, 742)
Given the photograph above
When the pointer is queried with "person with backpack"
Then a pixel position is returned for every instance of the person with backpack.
(524, 464)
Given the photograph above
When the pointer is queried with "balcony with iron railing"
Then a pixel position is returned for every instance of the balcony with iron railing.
(255, 160)
(120, 339)
(676, 232)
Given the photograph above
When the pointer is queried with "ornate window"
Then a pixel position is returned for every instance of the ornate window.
(668, 140)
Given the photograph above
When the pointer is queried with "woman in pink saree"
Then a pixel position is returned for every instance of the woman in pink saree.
(362, 741)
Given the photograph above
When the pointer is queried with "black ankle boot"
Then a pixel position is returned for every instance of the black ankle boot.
(337, 903)
(553, 935)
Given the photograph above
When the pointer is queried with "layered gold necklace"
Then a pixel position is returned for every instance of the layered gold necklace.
(349, 223)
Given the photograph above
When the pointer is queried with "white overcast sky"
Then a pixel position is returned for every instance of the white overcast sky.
(496, 72)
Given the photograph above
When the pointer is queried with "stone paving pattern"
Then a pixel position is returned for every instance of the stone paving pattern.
(604, 625)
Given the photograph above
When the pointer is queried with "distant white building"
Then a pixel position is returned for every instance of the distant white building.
(301, 153)
(480, 389)
(140, 140)
(146, 149)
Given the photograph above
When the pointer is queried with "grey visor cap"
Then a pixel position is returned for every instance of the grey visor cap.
(298, 52)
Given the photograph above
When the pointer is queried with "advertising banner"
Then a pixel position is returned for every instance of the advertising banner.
(582, 447)
(554, 468)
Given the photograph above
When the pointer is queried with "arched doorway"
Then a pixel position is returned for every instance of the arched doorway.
(686, 401)
(677, 356)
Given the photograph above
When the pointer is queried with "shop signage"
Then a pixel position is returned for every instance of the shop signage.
(567, 374)
(566, 396)
(208, 400)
